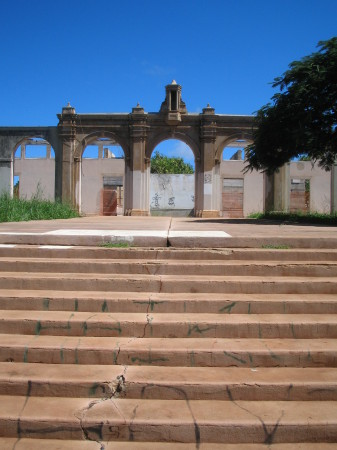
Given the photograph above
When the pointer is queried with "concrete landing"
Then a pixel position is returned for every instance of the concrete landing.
(165, 231)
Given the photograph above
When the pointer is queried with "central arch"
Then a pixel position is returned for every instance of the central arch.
(184, 138)
(172, 186)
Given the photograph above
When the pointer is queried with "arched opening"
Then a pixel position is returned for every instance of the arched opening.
(34, 169)
(172, 179)
(241, 193)
(102, 178)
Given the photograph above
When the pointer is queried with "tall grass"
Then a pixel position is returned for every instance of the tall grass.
(18, 210)
(299, 217)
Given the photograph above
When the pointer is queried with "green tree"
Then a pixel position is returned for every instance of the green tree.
(163, 164)
(302, 118)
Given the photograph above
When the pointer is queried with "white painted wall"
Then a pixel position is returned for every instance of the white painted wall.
(171, 192)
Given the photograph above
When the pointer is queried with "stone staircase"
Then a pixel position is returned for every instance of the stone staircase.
(168, 349)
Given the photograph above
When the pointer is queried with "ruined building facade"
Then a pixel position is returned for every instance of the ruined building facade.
(220, 187)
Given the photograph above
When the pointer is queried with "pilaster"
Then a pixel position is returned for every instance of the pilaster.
(138, 204)
(6, 175)
(282, 189)
(69, 169)
(209, 166)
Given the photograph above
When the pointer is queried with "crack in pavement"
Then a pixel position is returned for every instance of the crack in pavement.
(95, 432)
(148, 319)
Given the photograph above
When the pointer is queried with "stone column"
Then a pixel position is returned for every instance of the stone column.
(211, 172)
(67, 132)
(282, 189)
(48, 155)
(140, 164)
(23, 151)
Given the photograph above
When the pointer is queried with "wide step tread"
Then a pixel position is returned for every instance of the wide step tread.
(98, 301)
(172, 420)
(168, 352)
(168, 283)
(55, 444)
(169, 267)
(141, 325)
(179, 383)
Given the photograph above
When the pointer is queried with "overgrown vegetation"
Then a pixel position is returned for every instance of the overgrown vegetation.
(315, 217)
(163, 164)
(19, 210)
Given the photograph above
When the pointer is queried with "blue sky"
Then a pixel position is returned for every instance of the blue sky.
(106, 55)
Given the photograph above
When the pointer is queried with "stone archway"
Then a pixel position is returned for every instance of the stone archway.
(137, 133)
(173, 194)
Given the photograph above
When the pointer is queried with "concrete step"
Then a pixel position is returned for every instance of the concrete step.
(167, 283)
(171, 253)
(156, 325)
(143, 302)
(56, 444)
(171, 267)
(190, 352)
(193, 421)
(175, 383)
(215, 349)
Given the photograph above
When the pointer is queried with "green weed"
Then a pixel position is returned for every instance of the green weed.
(19, 210)
(299, 217)
(276, 247)
(114, 244)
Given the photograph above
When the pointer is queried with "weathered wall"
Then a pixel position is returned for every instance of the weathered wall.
(172, 194)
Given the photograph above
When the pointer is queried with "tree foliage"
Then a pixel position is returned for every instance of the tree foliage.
(302, 118)
(163, 164)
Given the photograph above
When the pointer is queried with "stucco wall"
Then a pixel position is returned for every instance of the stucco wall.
(169, 193)
(320, 184)
(37, 175)
(92, 173)
(253, 185)
(172, 193)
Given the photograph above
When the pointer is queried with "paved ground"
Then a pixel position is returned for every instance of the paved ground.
(163, 231)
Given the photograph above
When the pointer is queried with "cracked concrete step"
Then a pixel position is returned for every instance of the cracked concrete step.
(31, 251)
(175, 383)
(169, 420)
(167, 283)
(142, 325)
(188, 352)
(172, 267)
(47, 300)
(55, 444)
